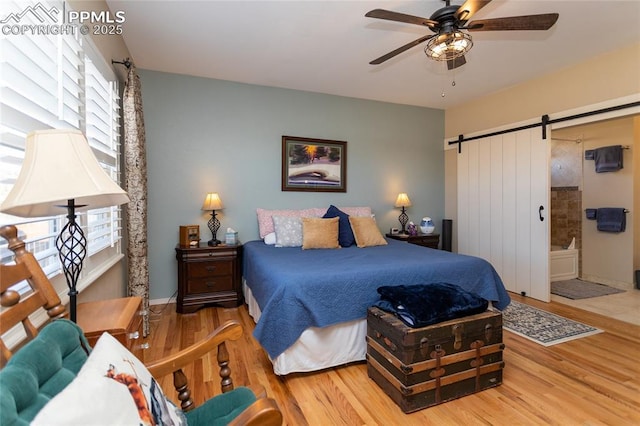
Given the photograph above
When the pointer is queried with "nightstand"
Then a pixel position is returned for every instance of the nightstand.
(426, 240)
(208, 275)
(122, 318)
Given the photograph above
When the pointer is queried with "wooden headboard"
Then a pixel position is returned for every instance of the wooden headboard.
(16, 308)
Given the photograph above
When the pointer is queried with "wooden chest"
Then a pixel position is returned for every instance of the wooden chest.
(421, 367)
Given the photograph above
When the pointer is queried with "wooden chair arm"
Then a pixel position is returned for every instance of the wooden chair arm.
(230, 330)
(263, 412)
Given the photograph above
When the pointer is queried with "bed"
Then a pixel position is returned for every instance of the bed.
(310, 306)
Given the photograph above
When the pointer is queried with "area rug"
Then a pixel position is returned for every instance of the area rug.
(543, 327)
(579, 289)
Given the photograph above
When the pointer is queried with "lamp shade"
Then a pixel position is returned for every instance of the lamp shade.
(403, 200)
(212, 202)
(60, 166)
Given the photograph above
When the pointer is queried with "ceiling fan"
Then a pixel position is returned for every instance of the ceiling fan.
(450, 23)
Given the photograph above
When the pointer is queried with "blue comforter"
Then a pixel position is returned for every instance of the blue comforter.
(297, 289)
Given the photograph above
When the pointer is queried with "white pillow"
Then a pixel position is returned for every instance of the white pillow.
(288, 231)
(101, 394)
(270, 238)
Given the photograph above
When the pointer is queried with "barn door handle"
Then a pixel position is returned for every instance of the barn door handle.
(540, 213)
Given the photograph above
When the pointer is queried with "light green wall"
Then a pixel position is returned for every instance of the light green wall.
(206, 135)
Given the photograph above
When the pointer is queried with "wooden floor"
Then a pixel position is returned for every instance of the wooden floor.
(589, 381)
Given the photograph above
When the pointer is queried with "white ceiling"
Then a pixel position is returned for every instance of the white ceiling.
(326, 46)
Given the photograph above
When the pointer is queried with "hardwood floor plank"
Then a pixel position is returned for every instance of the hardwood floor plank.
(593, 380)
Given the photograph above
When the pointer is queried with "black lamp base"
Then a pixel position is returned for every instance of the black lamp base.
(72, 249)
(214, 225)
(403, 219)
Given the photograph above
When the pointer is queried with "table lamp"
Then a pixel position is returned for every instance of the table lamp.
(403, 201)
(60, 171)
(212, 202)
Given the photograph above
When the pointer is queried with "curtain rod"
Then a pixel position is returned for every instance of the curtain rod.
(126, 62)
(543, 122)
(623, 210)
(576, 140)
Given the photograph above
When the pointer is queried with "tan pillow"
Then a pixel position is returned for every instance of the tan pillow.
(366, 232)
(319, 233)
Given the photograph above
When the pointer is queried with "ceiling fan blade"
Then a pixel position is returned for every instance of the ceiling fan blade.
(469, 8)
(400, 17)
(528, 22)
(399, 50)
(456, 62)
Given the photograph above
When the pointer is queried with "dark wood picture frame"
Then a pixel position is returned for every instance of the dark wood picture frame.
(314, 165)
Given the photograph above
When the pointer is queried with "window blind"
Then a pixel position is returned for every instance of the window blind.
(102, 123)
(52, 81)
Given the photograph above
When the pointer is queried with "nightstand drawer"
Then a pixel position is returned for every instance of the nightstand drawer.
(431, 241)
(209, 276)
(204, 254)
(135, 338)
(210, 269)
(425, 240)
(210, 284)
(119, 317)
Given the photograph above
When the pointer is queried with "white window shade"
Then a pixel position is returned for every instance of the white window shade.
(70, 58)
(102, 131)
(29, 101)
(51, 82)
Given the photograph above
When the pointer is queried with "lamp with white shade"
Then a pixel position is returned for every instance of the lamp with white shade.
(403, 201)
(60, 171)
(212, 202)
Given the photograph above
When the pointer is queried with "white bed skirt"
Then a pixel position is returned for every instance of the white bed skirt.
(317, 348)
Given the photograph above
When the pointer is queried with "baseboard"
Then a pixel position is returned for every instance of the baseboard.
(161, 301)
(611, 283)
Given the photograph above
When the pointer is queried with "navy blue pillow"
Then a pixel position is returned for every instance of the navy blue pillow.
(345, 234)
(425, 304)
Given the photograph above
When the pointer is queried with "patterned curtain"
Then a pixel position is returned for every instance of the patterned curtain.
(135, 173)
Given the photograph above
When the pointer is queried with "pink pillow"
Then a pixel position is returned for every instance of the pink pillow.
(265, 217)
(357, 211)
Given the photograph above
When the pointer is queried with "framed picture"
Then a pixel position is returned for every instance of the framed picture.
(315, 165)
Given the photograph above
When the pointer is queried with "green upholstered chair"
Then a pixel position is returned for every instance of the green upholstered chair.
(53, 356)
(40, 370)
(46, 365)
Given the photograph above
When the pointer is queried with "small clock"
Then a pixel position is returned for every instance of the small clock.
(189, 235)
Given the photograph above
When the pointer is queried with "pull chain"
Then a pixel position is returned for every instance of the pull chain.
(453, 83)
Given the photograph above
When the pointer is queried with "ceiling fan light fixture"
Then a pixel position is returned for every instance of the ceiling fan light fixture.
(448, 46)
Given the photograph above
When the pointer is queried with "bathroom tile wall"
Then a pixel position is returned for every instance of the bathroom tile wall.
(566, 216)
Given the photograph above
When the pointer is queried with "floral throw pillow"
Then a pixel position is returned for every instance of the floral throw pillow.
(288, 231)
(112, 388)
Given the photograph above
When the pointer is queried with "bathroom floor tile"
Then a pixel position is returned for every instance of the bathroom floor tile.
(622, 306)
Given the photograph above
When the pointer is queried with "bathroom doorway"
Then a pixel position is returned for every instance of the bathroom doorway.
(603, 257)
(566, 179)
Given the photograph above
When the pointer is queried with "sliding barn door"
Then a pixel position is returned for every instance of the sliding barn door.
(503, 208)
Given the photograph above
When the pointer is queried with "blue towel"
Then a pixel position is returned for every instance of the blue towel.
(611, 219)
(591, 213)
(608, 158)
(589, 154)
